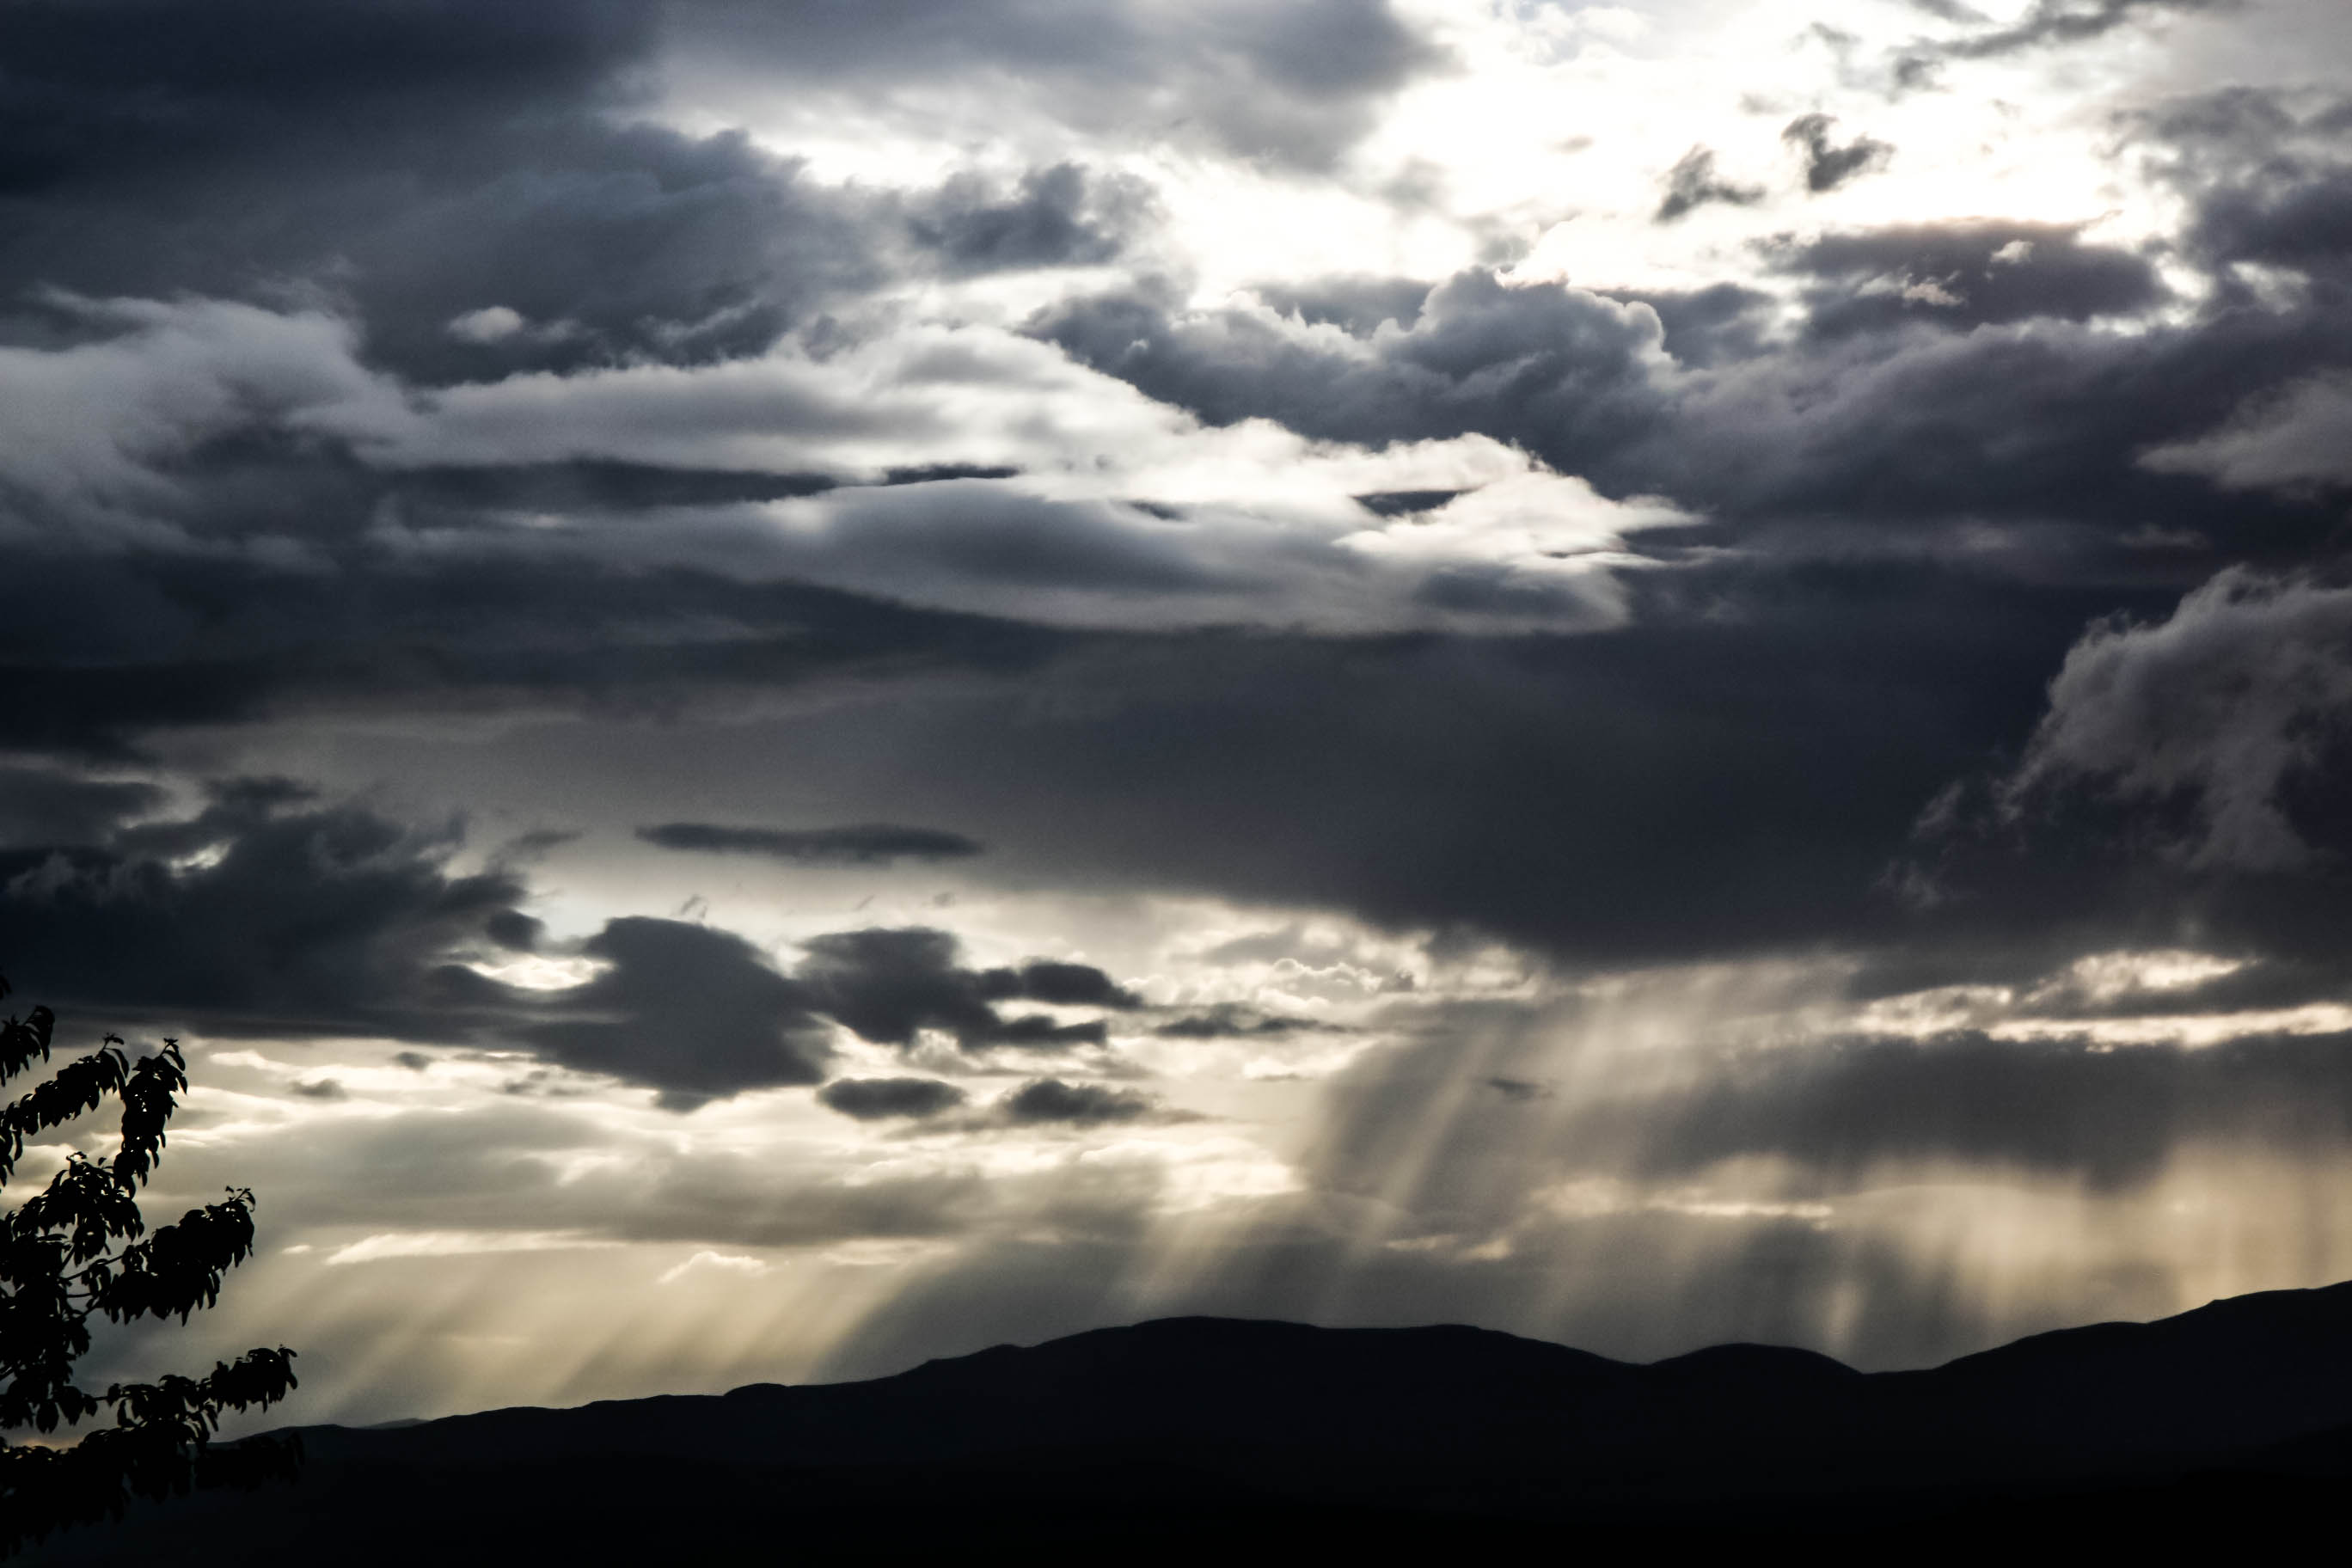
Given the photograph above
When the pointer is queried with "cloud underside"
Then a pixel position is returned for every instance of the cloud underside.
(270, 915)
(1536, 558)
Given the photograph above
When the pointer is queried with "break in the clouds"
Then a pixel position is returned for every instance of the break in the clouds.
(1642, 673)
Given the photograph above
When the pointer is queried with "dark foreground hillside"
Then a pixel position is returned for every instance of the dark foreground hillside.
(2222, 1428)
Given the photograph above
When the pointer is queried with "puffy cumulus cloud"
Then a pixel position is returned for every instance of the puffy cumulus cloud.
(2229, 704)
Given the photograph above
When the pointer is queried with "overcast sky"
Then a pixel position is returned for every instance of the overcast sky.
(777, 687)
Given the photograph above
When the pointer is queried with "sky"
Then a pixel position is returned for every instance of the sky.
(776, 689)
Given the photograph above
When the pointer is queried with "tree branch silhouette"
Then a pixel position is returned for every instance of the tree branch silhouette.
(80, 1248)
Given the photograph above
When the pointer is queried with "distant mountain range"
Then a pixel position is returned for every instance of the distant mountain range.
(1254, 1440)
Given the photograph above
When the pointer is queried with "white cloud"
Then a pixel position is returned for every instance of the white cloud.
(490, 324)
(2223, 702)
(87, 428)
(392, 1244)
(708, 1262)
(2296, 440)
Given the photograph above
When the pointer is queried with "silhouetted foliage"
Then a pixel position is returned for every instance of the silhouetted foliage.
(79, 1248)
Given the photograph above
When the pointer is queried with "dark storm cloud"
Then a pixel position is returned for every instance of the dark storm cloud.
(694, 1011)
(514, 930)
(1293, 84)
(1896, 403)
(1758, 771)
(1706, 326)
(1069, 985)
(2268, 175)
(888, 985)
(1949, 10)
(863, 844)
(1962, 275)
(1827, 164)
(1357, 305)
(1404, 503)
(2295, 441)
(1895, 406)
(427, 159)
(104, 650)
(589, 486)
(45, 807)
(2233, 709)
(1049, 1100)
(463, 183)
(1987, 431)
(877, 1099)
(103, 88)
(1693, 184)
(1691, 783)
(269, 914)
(1555, 368)
(289, 919)
(965, 534)
(1231, 1020)
(2055, 22)
(2162, 803)
(1061, 217)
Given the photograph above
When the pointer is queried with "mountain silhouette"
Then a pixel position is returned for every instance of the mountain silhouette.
(1168, 1438)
